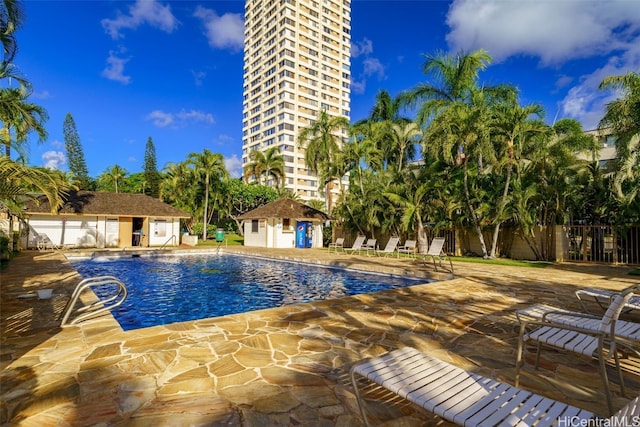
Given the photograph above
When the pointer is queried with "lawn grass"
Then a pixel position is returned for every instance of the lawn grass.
(230, 239)
(635, 272)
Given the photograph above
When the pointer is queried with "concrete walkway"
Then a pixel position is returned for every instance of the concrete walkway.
(283, 366)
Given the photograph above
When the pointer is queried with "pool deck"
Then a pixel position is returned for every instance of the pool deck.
(285, 366)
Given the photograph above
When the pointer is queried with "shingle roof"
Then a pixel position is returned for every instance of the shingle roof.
(285, 208)
(103, 203)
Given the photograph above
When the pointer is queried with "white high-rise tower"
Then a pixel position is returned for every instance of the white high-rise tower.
(296, 64)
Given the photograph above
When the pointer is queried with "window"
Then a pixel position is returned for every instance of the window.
(254, 225)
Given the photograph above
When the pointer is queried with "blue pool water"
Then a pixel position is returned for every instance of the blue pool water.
(170, 289)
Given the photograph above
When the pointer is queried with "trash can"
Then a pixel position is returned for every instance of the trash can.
(219, 235)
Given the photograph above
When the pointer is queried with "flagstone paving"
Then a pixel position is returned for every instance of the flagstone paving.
(283, 366)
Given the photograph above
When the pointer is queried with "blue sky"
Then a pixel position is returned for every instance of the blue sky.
(172, 70)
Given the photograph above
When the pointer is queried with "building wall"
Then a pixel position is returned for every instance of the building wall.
(272, 233)
(296, 64)
(99, 231)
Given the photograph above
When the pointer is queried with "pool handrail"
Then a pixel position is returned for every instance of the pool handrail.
(96, 307)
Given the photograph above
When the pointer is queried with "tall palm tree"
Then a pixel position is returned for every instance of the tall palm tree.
(321, 142)
(513, 125)
(268, 163)
(113, 176)
(208, 167)
(457, 113)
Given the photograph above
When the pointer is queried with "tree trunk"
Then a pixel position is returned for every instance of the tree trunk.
(472, 212)
(206, 204)
(501, 206)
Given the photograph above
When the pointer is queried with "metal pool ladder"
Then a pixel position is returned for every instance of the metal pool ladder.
(100, 306)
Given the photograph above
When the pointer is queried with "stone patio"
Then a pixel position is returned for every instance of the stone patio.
(283, 366)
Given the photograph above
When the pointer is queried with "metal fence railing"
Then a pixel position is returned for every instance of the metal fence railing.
(604, 244)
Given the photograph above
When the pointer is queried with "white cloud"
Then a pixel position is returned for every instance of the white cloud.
(234, 166)
(195, 116)
(41, 95)
(585, 101)
(226, 31)
(364, 47)
(115, 69)
(358, 87)
(554, 31)
(373, 66)
(180, 119)
(160, 118)
(149, 12)
(53, 159)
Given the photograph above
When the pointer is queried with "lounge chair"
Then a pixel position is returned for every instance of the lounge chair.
(370, 246)
(357, 245)
(599, 342)
(602, 298)
(409, 248)
(625, 330)
(435, 251)
(43, 243)
(390, 247)
(469, 399)
(338, 244)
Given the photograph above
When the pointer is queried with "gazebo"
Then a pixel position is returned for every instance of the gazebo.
(284, 223)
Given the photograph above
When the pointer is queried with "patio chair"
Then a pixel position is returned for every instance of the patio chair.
(338, 244)
(409, 248)
(370, 246)
(357, 245)
(601, 298)
(390, 247)
(435, 251)
(597, 342)
(43, 242)
(469, 399)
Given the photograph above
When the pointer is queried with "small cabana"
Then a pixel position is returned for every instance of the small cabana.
(284, 223)
(94, 219)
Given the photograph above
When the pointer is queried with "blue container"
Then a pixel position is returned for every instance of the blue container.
(219, 235)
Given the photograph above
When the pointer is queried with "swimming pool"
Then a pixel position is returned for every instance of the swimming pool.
(178, 288)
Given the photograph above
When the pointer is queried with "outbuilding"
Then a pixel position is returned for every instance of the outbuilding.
(92, 219)
(285, 223)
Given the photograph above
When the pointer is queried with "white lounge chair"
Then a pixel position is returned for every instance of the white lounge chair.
(370, 246)
(602, 298)
(409, 248)
(599, 342)
(390, 247)
(338, 244)
(357, 245)
(469, 399)
(43, 243)
(435, 251)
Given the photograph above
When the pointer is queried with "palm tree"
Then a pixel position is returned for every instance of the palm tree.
(513, 126)
(113, 176)
(321, 143)
(404, 137)
(11, 19)
(622, 115)
(269, 163)
(458, 113)
(19, 118)
(208, 167)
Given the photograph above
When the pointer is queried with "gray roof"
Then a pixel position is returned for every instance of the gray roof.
(103, 203)
(285, 208)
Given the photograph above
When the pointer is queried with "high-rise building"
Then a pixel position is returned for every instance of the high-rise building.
(296, 64)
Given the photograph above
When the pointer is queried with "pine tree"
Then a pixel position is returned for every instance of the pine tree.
(75, 154)
(151, 175)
